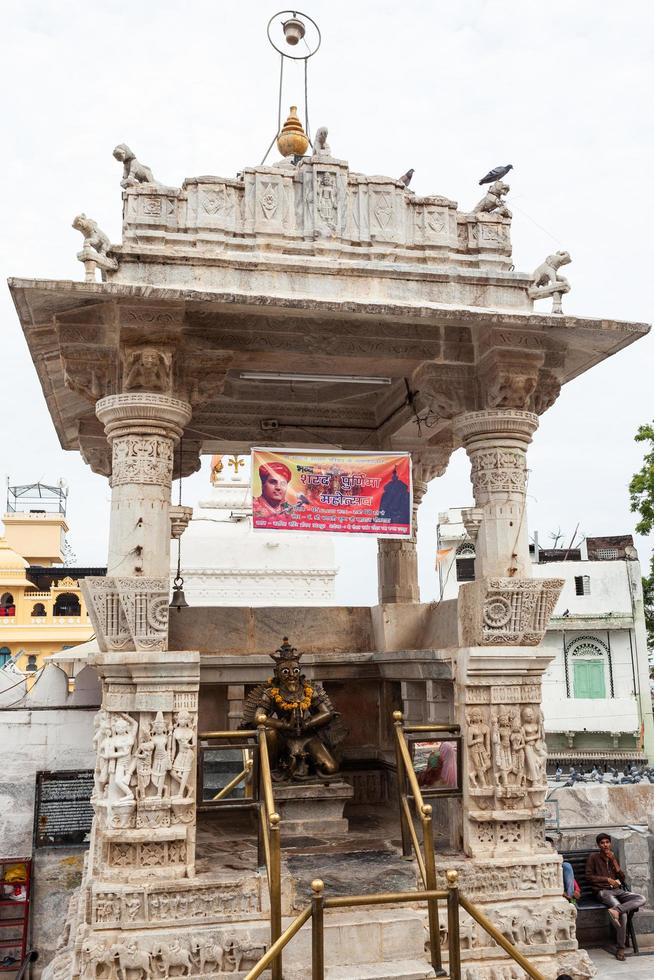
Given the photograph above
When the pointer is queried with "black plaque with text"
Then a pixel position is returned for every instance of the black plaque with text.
(63, 807)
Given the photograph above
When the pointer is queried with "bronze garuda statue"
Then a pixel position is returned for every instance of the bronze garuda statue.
(302, 728)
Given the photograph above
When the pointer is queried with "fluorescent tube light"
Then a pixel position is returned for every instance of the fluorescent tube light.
(282, 376)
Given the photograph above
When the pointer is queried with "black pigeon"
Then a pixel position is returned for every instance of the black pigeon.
(495, 174)
(405, 178)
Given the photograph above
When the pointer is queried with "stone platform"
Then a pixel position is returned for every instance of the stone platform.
(313, 808)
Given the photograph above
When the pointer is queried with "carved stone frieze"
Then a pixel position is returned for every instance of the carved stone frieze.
(498, 469)
(204, 954)
(141, 459)
(483, 881)
(156, 904)
(533, 927)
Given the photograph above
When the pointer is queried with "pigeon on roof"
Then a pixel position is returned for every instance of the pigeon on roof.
(405, 178)
(495, 174)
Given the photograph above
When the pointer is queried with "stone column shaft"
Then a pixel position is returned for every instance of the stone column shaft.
(397, 560)
(142, 429)
(496, 442)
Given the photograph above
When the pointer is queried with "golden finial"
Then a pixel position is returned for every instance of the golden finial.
(317, 886)
(452, 878)
(236, 462)
(292, 141)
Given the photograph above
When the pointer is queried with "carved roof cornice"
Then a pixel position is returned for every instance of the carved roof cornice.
(91, 340)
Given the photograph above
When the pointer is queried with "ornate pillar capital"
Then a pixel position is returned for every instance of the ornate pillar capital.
(142, 428)
(515, 425)
(143, 412)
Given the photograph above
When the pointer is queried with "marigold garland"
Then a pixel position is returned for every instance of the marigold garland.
(304, 704)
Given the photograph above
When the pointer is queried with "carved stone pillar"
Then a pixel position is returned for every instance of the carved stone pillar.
(496, 441)
(142, 428)
(397, 561)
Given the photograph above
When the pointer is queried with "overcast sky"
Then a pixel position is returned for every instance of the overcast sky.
(562, 90)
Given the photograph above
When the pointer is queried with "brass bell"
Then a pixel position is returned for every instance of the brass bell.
(178, 600)
(294, 30)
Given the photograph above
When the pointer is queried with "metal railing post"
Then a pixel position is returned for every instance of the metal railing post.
(453, 935)
(317, 930)
(432, 904)
(398, 719)
(275, 891)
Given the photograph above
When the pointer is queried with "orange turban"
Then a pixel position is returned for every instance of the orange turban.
(280, 468)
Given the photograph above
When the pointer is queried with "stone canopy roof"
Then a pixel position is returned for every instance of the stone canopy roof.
(307, 268)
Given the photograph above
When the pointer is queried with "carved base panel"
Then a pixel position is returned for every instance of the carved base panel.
(145, 740)
(505, 782)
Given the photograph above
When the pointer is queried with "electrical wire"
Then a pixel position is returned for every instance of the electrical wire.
(37, 678)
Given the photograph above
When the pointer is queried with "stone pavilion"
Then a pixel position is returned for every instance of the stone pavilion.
(221, 291)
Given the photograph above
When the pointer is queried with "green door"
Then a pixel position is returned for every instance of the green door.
(589, 679)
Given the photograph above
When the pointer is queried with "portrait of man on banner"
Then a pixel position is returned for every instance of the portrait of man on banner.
(275, 478)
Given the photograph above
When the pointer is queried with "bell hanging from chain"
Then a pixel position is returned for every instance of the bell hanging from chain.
(178, 600)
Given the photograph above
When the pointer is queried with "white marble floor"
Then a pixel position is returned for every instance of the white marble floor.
(634, 968)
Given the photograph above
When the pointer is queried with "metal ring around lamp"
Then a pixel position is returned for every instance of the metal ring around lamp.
(293, 14)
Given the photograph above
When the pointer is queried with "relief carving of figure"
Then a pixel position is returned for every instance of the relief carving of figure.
(493, 201)
(502, 754)
(302, 726)
(184, 744)
(102, 731)
(147, 369)
(535, 748)
(161, 762)
(118, 748)
(134, 172)
(518, 750)
(478, 740)
(144, 761)
(132, 961)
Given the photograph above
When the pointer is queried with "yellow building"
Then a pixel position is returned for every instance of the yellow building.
(41, 608)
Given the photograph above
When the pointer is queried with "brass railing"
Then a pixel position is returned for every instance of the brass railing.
(454, 900)
(269, 819)
(424, 855)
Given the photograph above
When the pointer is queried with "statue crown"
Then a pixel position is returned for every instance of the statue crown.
(285, 653)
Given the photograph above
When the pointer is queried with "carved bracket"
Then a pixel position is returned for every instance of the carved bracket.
(507, 611)
(128, 613)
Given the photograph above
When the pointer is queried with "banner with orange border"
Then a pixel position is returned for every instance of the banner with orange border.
(330, 491)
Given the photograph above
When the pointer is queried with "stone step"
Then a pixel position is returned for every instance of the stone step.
(374, 938)
(396, 970)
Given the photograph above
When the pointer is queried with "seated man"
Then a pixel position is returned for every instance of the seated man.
(607, 880)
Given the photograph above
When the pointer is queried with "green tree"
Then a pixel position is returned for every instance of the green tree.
(641, 492)
(641, 488)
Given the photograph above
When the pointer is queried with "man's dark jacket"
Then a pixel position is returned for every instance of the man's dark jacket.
(600, 868)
